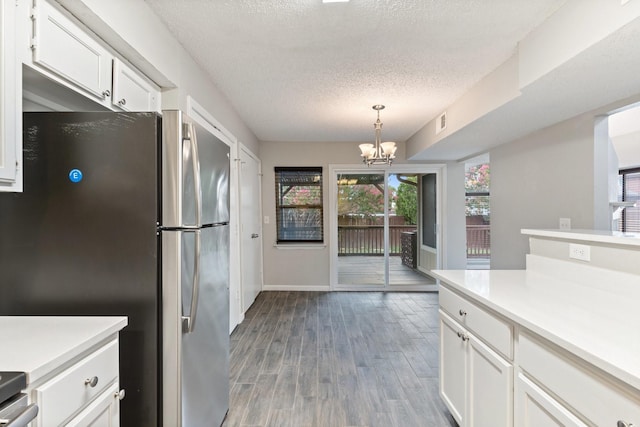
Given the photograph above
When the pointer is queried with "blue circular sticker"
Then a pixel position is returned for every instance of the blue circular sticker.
(75, 175)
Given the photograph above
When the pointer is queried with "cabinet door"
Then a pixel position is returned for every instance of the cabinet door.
(103, 412)
(490, 379)
(453, 367)
(536, 408)
(131, 91)
(64, 48)
(9, 119)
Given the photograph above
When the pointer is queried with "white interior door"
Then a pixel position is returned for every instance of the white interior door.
(250, 228)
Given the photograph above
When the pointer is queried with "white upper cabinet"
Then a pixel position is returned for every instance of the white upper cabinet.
(63, 48)
(9, 117)
(131, 91)
(64, 51)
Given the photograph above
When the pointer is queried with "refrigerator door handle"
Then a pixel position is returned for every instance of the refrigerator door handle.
(189, 321)
(190, 135)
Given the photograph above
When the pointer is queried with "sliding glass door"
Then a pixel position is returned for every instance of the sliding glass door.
(385, 228)
(360, 227)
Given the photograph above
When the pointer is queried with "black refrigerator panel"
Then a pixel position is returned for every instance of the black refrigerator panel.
(82, 237)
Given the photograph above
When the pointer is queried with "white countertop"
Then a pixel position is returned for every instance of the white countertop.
(36, 345)
(597, 322)
(601, 236)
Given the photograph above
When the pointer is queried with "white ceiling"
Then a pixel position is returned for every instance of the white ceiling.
(300, 70)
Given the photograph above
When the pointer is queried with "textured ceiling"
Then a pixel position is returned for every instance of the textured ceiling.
(301, 70)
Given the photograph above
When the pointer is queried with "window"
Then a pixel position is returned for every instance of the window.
(629, 191)
(477, 210)
(299, 204)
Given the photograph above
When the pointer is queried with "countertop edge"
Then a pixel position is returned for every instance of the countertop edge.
(95, 334)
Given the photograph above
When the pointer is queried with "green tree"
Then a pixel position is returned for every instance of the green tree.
(407, 200)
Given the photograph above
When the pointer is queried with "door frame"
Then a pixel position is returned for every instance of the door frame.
(334, 170)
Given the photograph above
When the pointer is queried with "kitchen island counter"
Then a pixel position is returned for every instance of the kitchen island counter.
(596, 323)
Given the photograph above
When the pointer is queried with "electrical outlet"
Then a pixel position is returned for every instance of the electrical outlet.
(565, 223)
(581, 252)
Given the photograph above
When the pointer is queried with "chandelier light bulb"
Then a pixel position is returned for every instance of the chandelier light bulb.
(380, 152)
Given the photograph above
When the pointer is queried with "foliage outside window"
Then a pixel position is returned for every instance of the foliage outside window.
(477, 210)
(299, 204)
(629, 191)
(476, 185)
(407, 199)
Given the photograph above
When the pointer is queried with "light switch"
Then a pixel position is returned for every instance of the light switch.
(266, 220)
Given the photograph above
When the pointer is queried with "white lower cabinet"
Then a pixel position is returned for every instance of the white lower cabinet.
(86, 393)
(103, 412)
(453, 368)
(535, 408)
(476, 383)
(579, 389)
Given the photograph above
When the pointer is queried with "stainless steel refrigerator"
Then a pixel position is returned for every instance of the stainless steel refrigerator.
(127, 214)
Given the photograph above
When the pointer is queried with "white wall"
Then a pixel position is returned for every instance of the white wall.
(309, 268)
(537, 180)
(454, 222)
(567, 170)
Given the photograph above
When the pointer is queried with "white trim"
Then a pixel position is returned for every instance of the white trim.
(302, 288)
(244, 149)
(198, 113)
(439, 169)
(299, 246)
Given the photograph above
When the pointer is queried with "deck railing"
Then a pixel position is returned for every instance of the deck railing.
(478, 241)
(369, 239)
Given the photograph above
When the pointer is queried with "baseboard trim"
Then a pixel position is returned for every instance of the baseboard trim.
(315, 288)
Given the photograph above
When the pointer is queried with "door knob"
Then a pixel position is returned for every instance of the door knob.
(254, 235)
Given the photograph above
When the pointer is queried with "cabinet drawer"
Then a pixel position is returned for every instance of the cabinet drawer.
(587, 391)
(495, 332)
(536, 408)
(69, 392)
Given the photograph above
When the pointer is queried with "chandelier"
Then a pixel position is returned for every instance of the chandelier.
(380, 152)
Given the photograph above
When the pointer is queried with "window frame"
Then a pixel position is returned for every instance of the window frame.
(280, 207)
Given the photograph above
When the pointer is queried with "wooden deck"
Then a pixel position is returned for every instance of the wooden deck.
(369, 270)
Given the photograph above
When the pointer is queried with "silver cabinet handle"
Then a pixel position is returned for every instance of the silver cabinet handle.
(91, 382)
(22, 418)
(119, 394)
(462, 312)
(122, 101)
(189, 322)
(463, 336)
(106, 93)
(624, 424)
(254, 235)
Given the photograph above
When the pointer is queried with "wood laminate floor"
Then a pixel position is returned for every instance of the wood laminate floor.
(337, 359)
